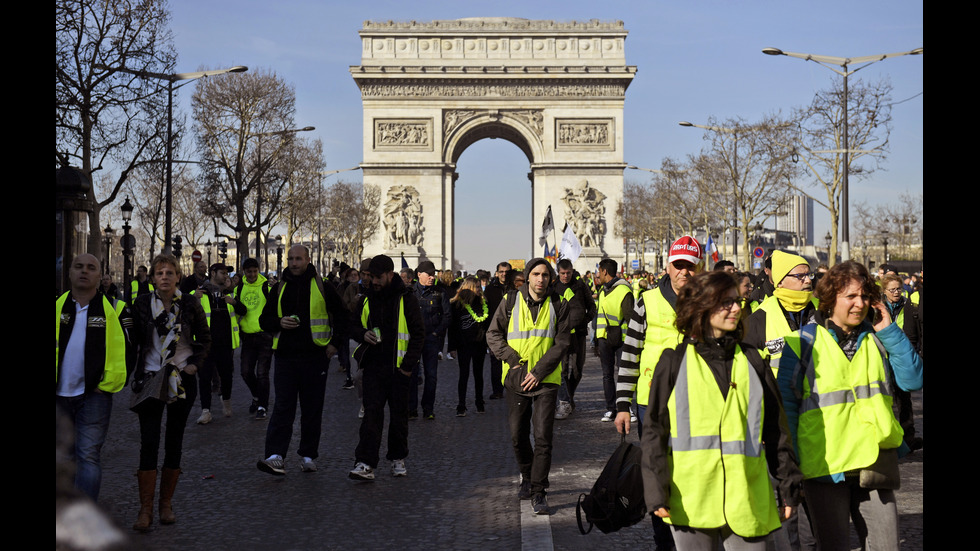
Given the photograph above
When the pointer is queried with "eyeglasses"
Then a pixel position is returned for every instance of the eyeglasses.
(729, 302)
(895, 290)
(801, 277)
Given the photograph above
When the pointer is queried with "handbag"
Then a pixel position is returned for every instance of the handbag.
(153, 385)
(883, 474)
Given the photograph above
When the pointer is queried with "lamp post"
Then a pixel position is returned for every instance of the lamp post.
(208, 246)
(128, 246)
(171, 79)
(831, 62)
(278, 254)
(107, 232)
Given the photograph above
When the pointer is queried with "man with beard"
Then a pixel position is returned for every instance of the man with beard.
(391, 334)
(305, 315)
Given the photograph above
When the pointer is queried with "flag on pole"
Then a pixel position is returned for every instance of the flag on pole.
(549, 253)
(711, 248)
(546, 226)
(570, 246)
(404, 262)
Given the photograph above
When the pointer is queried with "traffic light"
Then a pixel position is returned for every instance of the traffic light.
(223, 250)
(176, 246)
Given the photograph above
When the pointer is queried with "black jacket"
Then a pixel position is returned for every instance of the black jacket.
(296, 301)
(193, 322)
(383, 308)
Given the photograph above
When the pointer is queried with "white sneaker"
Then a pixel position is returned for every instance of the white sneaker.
(360, 414)
(205, 417)
(307, 465)
(226, 408)
(398, 468)
(563, 410)
(633, 418)
(361, 472)
(609, 416)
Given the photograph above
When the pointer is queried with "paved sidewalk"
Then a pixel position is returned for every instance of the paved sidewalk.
(460, 492)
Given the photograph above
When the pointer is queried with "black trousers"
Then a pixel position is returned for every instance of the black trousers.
(537, 413)
(383, 386)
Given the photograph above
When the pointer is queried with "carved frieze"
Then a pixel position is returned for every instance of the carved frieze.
(403, 218)
(574, 134)
(403, 134)
(585, 212)
(533, 118)
(503, 89)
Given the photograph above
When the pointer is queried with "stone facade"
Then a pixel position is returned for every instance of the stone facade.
(554, 89)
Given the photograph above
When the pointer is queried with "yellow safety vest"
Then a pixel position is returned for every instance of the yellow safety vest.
(661, 334)
(134, 290)
(206, 306)
(532, 338)
(914, 298)
(320, 327)
(718, 471)
(846, 413)
(401, 345)
(114, 375)
(777, 328)
(610, 307)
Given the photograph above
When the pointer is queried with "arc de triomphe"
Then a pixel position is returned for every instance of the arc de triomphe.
(554, 89)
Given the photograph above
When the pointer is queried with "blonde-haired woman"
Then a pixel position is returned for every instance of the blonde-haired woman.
(468, 341)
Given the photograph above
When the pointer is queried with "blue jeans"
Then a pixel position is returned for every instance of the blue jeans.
(90, 415)
(428, 366)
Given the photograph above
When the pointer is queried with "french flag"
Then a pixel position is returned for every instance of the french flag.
(710, 247)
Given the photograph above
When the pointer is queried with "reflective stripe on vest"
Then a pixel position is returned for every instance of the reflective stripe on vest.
(610, 308)
(114, 375)
(320, 328)
(206, 306)
(401, 344)
(532, 338)
(718, 469)
(846, 409)
(777, 328)
(660, 335)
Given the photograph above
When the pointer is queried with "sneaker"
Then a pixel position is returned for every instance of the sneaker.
(480, 409)
(361, 472)
(260, 413)
(525, 490)
(461, 411)
(205, 417)
(398, 468)
(440, 355)
(274, 464)
(254, 407)
(429, 416)
(563, 410)
(539, 504)
(609, 416)
(349, 384)
(450, 356)
(226, 408)
(360, 414)
(308, 465)
(633, 418)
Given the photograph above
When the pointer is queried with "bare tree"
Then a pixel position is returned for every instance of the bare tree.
(352, 217)
(635, 215)
(101, 114)
(746, 165)
(821, 146)
(244, 129)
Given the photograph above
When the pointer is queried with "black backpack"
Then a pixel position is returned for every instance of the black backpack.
(616, 499)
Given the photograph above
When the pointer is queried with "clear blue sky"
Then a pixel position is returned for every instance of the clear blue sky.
(694, 60)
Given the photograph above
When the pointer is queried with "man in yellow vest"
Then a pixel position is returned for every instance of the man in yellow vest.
(614, 308)
(141, 285)
(222, 311)
(530, 334)
(306, 316)
(90, 365)
(650, 331)
(256, 355)
(391, 334)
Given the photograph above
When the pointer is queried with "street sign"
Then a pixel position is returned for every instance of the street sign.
(635, 264)
(196, 256)
(758, 252)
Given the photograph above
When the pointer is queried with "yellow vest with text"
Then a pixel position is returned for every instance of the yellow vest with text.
(846, 409)
(114, 375)
(206, 306)
(532, 338)
(718, 470)
(610, 308)
(401, 345)
(320, 328)
(660, 335)
(778, 328)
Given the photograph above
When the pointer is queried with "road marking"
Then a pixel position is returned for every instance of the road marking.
(535, 529)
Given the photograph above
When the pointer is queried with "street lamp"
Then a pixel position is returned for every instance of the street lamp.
(108, 231)
(830, 62)
(279, 254)
(129, 247)
(171, 79)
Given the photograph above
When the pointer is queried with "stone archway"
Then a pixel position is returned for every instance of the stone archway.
(554, 89)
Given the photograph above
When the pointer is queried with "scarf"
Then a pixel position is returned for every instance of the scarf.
(167, 323)
(792, 301)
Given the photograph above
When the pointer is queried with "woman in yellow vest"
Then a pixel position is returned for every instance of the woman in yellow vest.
(712, 404)
(838, 400)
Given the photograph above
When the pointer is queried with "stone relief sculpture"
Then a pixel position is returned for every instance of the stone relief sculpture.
(504, 89)
(533, 118)
(400, 133)
(583, 133)
(403, 217)
(586, 213)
